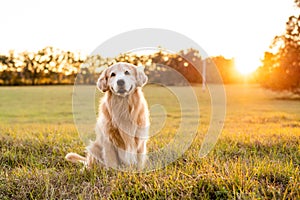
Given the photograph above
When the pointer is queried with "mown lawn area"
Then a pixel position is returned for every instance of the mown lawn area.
(257, 155)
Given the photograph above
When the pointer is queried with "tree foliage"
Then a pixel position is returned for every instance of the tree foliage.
(54, 66)
(161, 67)
(281, 65)
(226, 69)
(47, 66)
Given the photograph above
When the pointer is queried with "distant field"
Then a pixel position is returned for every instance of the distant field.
(256, 157)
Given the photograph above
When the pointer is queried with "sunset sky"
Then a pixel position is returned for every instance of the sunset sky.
(233, 28)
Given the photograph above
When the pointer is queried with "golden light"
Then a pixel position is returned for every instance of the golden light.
(246, 66)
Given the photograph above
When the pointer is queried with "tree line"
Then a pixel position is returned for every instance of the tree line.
(50, 66)
(47, 66)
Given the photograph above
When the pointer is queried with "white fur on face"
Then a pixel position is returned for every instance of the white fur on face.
(122, 81)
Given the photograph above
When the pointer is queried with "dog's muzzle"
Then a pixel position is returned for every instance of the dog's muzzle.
(121, 89)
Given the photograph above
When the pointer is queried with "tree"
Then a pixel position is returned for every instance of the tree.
(281, 66)
(8, 68)
(226, 68)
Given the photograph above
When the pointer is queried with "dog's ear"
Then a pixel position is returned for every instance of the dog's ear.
(102, 81)
(141, 78)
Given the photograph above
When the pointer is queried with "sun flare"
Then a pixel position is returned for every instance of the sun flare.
(246, 66)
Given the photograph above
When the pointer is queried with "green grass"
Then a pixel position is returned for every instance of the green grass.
(256, 157)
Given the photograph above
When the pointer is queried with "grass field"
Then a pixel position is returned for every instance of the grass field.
(256, 157)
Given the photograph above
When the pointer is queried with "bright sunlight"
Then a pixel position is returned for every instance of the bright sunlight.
(246, 65)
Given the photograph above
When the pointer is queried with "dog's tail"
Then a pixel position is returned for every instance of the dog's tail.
(74, 158)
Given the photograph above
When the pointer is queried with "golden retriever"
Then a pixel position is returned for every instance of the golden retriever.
(123, 122)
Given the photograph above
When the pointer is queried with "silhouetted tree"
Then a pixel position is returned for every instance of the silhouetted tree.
(281, 66)
(8, 68)
(226, 68)
(170, 66)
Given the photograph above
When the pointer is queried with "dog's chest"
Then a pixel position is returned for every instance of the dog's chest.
(121, 117)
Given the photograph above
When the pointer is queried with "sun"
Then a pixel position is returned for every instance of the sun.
(246, 66)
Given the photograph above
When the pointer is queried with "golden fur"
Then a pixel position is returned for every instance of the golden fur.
(123, 122)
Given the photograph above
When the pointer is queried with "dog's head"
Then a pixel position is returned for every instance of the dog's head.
(122, 79)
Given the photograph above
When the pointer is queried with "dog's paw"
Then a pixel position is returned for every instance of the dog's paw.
(74, 158)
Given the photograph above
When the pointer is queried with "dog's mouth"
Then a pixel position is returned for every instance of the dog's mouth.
(123, 91)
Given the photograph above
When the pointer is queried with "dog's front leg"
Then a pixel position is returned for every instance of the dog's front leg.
(141, 153)
(141, 142)
(111, 155)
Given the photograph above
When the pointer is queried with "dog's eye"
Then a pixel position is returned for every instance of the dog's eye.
(112, 74)
(127, 73)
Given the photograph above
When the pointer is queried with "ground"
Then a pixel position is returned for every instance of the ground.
(257, 155)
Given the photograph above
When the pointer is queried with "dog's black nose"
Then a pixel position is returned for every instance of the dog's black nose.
(121, 82)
